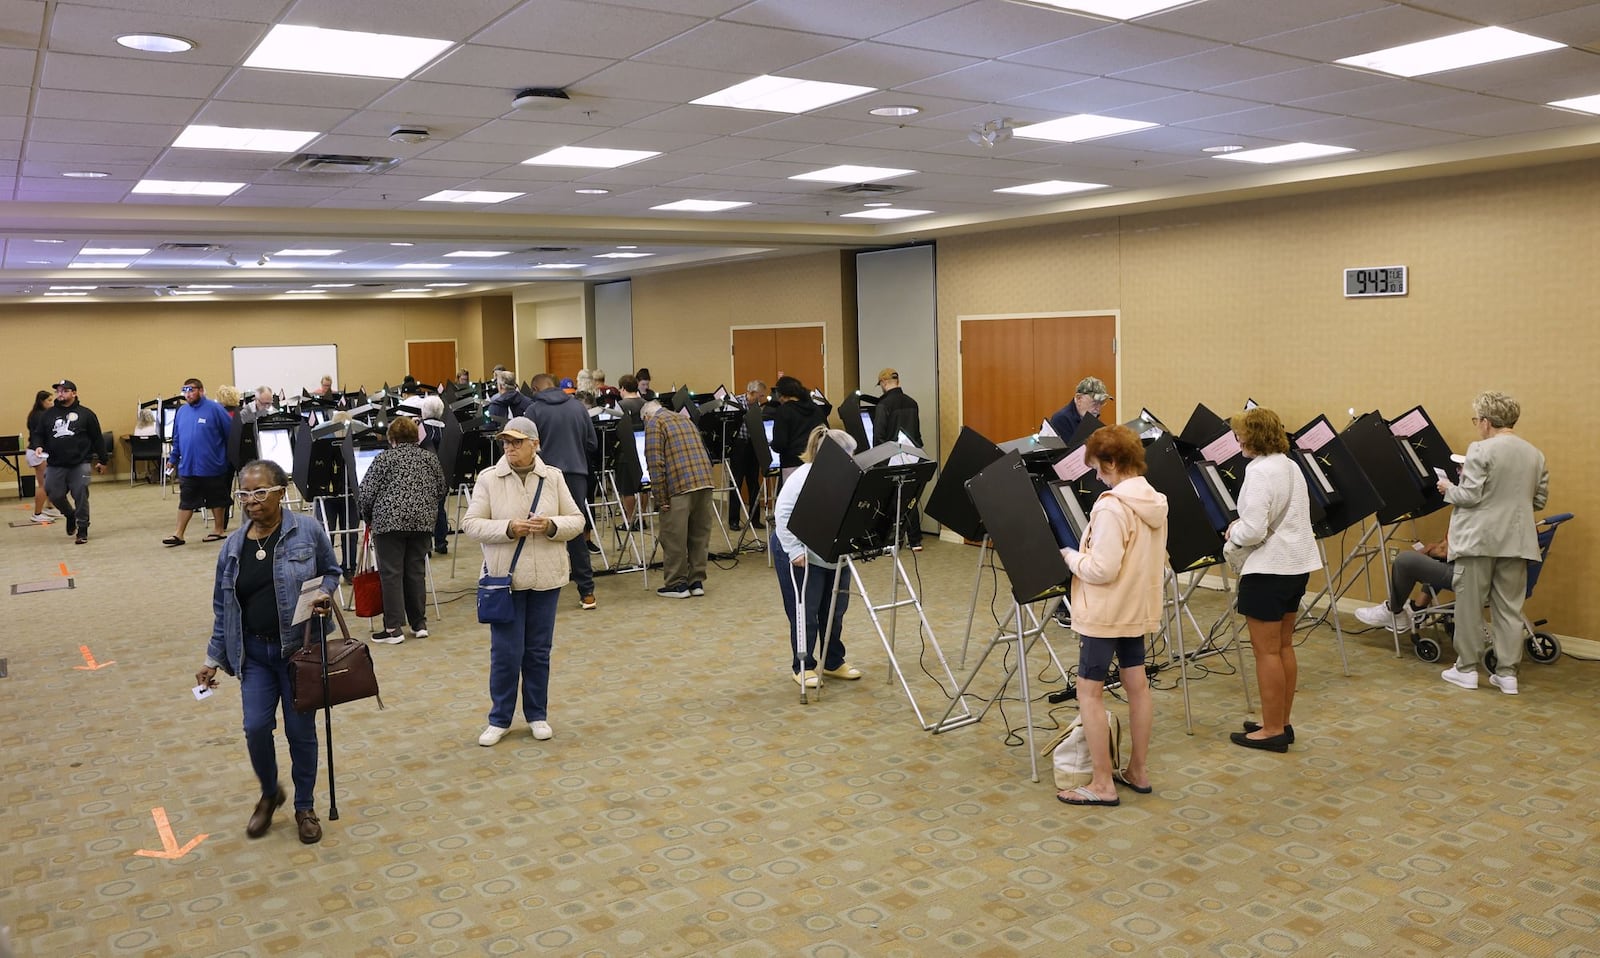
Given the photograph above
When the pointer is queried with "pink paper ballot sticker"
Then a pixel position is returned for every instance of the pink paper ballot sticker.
(1316, 437)
(1222, 448)
(1410, 424)
(1074, 464)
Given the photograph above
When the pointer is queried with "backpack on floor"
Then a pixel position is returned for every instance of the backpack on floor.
(1069, 752)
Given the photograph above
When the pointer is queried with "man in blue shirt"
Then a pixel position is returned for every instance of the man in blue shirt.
(1089, 397)
(200, 455)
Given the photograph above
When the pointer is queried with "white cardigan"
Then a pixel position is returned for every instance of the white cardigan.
(1274, 487)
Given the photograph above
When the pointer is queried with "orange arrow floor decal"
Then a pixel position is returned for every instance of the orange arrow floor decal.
(89, 664)
(66, 572)
(170, 849)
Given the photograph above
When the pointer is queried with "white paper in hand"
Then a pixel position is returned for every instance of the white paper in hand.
(308, 594)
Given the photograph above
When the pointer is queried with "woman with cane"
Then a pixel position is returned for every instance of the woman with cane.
(260, 572)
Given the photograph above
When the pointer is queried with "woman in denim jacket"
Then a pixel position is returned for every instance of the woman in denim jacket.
(259, 574)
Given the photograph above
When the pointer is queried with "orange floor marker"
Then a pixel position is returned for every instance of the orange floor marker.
(89, 664)
(65, 572)
(170, 849)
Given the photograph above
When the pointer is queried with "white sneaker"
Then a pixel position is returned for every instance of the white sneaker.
(1379, 617)
(40, 517)
(541, 730)
(1505, 683)
(53, 512)
(491, 735)
(419, 634)
(1467, 680)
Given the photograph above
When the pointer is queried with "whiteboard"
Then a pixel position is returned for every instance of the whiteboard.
(286, 369)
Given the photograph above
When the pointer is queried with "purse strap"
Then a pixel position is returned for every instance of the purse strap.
(537, 492)
(344, 629)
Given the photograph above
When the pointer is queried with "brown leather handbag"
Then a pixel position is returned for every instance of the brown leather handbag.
(334, 671)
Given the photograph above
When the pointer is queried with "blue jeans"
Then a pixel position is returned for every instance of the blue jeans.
(816, 587)
(520, 650)
(263, 686)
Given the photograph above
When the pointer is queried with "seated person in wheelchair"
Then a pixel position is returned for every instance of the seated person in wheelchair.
(1425, 564)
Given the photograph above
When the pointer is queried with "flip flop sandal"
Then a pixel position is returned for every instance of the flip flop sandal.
(172, 541)
(1121, 778)
(214, 537)
(1082, 796)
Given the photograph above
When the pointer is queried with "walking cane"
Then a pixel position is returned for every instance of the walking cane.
(327, 714)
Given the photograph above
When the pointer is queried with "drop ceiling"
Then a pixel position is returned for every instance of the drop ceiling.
(1216, 73)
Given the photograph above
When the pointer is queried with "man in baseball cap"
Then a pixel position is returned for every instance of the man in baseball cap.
(1090, 397)
(69, 438)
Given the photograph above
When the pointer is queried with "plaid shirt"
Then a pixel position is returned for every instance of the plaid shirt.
(676, 456)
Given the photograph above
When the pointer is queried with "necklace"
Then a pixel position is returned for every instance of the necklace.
(264, 543)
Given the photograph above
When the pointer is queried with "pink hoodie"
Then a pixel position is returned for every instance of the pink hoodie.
(1117, 577)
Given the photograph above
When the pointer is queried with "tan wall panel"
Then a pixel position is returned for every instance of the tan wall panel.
(681, 319)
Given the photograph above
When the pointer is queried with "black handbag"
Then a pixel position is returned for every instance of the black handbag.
(494, 591)
(332, 672)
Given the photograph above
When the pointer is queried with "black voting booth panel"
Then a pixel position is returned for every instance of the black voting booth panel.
(1398, 485)
(755, 420)
(851, 412)
(848, 503)
(948, 503)
(1006, 495)
(450, 441)
(719, 423)
(1193, 540)
(1205, 437)
(1334, 478)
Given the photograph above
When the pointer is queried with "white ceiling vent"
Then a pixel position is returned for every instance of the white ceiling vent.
(337, 163)
(870, 189)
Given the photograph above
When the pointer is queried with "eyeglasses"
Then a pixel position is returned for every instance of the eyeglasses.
(189, 389)
(257, 495)
(511, 443)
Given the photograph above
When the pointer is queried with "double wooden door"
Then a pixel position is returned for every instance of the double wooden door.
(1015, 372)
(763, 352)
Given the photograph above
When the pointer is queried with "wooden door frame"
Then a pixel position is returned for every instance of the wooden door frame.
(961, 398)
(739, 387)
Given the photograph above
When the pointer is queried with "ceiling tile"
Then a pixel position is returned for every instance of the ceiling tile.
(631, 138)
(415, 96)
(704, 119)
(455, 20)
(14, 100)
(506, 69)
(108, 74)
(992, 30)
(1212, 68)
(1520, 119)
(1256, 120)
(21, 23)
(653, 81)
(1191, 106)
(292, 89)
(523, 134)
(1399, 138)
(1578, 27)
(226, 40)
(270, 116)
(881, 65)
(847, 18)
(1388, 26)
(1378, 96)
(75, 105)
(1112, 49)
(95, 155)
(1100, 95)
(737, 48)
(1235, 21)
(932, 107)
(738, 148)
(994, 81)
(587, 29)
(699, 8)
(16, 67)
(1292, 85)
(1499, 13)
(1552, 66)
(813, 129)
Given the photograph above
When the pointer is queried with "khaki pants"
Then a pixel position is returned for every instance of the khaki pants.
(685, 536)
(1502, 584)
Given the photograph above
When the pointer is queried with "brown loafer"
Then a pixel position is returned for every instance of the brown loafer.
(261, 818)
(310, 829)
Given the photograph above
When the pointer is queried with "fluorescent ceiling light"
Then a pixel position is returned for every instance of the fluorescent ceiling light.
(423, 266)
(782, 94)
(187, 187)
(308, 252)
(208, 286)
(1583, 104)
(346, 52)
(558, 266)
(441, 285)
(466, 196)
(480, 253)
(113, 251)
(155, 43)
(888, 213)
(702, 206)
(627, 247)
(1051, 188)
(1076, 129)
(402, 244)
(623, 255)
(409, 289)
(49, 241)
(301, 292)
(592, 192)
(589, 156)
(243, 138)
(66, 294)
(852, 174)
(333, 285)
(1471, 48)
(74, 287)
(1109, 9)
(898, 109)
(98, 265)
(85, 174)
(1287, 153)
(191, 292)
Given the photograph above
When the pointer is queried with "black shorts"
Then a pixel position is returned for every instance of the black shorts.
(1094, 655)
(1271, 597)
(207, 492)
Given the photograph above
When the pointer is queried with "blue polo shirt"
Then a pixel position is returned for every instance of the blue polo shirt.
(200, 439)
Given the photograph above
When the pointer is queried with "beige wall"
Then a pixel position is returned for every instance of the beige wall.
(1226, 302)
(681, 319)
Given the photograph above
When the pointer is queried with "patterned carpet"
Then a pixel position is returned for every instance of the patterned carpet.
(689, 805)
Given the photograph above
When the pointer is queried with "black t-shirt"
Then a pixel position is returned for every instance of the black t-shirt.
(258, 600)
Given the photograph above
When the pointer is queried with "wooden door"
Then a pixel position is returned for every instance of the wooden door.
(431, 361)
(1016, 372)
(763, 352)
(563, 357)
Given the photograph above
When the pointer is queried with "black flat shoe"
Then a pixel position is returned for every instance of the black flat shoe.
(1277, 743)
(1288, 730)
